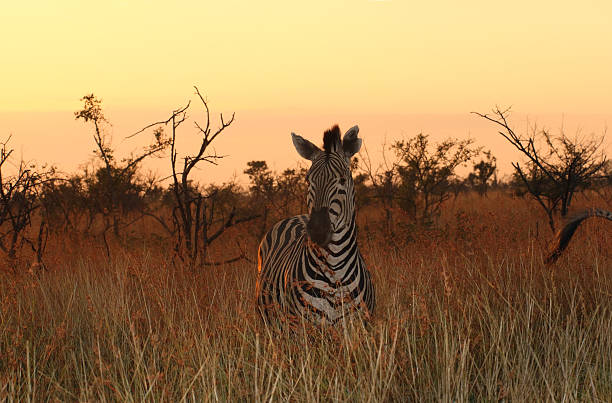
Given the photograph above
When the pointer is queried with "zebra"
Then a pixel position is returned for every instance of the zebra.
(309, 266)
(566, 233)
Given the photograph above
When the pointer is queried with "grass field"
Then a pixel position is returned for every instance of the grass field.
(465, 312)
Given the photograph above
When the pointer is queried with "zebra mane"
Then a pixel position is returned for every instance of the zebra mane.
(331, 140)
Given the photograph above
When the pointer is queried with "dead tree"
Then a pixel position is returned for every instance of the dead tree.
(195, 213)
(557, 166)
(19, 199)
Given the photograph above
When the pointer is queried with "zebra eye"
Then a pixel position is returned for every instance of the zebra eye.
(343, 181)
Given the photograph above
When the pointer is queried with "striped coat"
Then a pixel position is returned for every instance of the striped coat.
(309, 265)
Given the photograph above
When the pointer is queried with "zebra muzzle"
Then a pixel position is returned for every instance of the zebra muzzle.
(319, 227)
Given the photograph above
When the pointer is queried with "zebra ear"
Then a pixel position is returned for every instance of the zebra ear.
(351, 143)
(304, 147)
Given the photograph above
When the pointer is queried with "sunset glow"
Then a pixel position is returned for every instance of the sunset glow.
(390, 66)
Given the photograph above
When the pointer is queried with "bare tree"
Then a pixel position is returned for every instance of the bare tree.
(195, 212)
(556, 167)
(19, 199)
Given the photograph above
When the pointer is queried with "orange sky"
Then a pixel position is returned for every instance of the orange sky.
(393, 67)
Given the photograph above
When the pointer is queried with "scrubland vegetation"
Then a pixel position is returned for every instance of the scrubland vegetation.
(116, 288)
(465, 311)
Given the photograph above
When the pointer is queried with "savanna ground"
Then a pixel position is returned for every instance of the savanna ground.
(465, 311)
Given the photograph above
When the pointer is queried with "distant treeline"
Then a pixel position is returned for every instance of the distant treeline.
(415, 176)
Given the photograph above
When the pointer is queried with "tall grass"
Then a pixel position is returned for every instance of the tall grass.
(468, 312)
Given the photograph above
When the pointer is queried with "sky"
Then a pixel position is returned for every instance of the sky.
(395, 68)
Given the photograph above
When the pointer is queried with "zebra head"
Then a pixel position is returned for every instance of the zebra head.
(331, 195)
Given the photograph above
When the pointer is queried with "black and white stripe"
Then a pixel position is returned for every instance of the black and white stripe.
(324, 278)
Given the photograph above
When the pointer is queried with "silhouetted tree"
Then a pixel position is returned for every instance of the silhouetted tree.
(65, 203)
(114, 187)
(557, 166)
(483, 174)
(426, 173)
(19, 199)
(260, 177)
(292, 188)
(281, 194)
(195, 211)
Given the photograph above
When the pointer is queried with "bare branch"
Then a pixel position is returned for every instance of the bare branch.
(562, 167)
(175, 113)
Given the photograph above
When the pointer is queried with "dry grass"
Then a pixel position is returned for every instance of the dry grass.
(466, 312)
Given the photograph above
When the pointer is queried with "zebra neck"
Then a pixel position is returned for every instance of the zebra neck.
(344, 236)
(341, 248)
